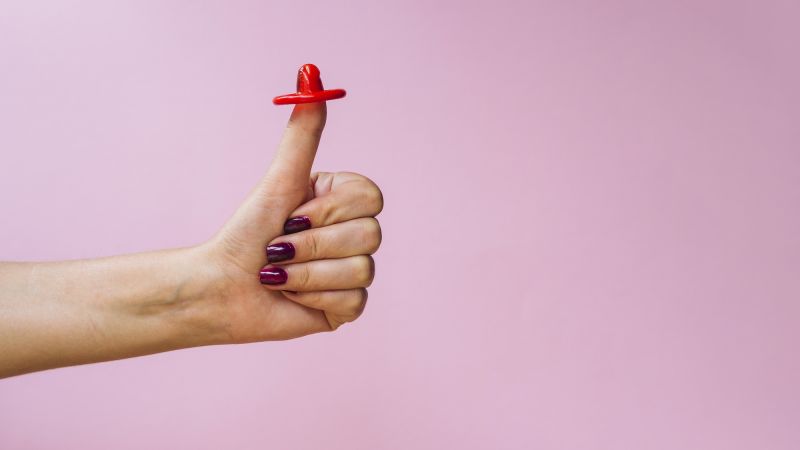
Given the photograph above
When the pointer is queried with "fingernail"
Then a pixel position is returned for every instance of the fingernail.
(273, 275)
(296, 224)
(280, 252)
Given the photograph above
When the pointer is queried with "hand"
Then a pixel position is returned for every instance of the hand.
(323, 284)
(55, 314)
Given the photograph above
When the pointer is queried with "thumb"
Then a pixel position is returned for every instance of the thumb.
(284, 187)
(288, 175)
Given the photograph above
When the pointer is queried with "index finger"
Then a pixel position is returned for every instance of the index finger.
(338, 197)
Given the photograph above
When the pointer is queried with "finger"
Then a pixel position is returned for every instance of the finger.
(348, 196)
(339, 306)
(287, 177)
(290, 319)
(281, 190)
(323, 275)
(351, 238)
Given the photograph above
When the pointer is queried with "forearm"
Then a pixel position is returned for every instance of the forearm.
(228, 290)
(76, 312)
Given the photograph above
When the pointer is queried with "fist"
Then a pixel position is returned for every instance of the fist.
(295, 257)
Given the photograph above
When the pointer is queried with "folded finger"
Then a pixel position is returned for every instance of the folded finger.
(339, 197)
(354, 237)
(322, 275)
(340, 306)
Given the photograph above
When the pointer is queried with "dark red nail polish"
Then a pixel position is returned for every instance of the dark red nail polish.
(281, 251)
(273, 275)
(296, 224)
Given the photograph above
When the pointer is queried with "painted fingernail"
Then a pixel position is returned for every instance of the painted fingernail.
(281, 251)
(273, 275)
(296, 224)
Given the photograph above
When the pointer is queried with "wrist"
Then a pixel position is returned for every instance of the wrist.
(192, 308)
(153, 302)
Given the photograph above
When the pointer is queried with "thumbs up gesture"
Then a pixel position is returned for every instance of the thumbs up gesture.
(295, 257)
(293, 260)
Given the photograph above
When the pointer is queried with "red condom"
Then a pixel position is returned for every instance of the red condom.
(309, 89)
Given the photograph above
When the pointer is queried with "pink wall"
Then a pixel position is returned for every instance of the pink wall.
(591, 232)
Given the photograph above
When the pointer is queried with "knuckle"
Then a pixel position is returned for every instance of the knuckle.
(374, 197)
(356, 305)
(311, 242)
(362, 296)
(325, 215)
(302, 276)
(365, 270)
(372, 234)
(370, 192)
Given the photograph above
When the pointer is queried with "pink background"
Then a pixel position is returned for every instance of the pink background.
(591, 232)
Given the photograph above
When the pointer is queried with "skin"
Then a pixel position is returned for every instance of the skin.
(77, 312)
